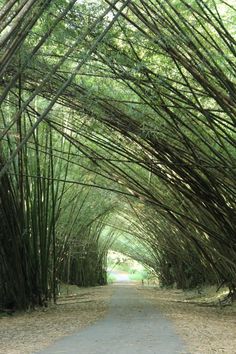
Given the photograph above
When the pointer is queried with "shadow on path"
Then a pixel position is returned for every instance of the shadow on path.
(132, 326)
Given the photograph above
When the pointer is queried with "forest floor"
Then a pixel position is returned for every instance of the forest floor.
(29, 332)
(205, 329)
(205, 326)
(133, 325)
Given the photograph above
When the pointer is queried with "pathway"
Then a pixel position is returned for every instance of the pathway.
(132, 326)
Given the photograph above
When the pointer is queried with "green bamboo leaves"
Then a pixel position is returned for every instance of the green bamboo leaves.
(134, 99)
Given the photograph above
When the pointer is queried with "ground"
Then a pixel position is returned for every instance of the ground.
(132, 326)
(205, 329)
(25, 333)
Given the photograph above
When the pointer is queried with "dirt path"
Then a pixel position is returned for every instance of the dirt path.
(204, 329)
(133, 325)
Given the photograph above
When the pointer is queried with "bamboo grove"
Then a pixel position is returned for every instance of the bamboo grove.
(117, 118)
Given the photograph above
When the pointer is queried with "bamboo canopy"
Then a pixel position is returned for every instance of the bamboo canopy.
(119, 112)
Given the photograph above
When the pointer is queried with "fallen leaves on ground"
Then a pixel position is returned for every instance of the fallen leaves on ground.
(26, 333)
(205, 328)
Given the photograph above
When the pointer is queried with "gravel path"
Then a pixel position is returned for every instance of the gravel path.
(132, 326)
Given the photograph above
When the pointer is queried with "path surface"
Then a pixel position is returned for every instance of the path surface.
(132, 326)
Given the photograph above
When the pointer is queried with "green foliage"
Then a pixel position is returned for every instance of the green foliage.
(116, 122)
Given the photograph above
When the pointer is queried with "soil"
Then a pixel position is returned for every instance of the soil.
(205, 327)
(26, 333)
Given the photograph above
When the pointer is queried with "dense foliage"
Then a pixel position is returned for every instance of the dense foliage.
(117, 118)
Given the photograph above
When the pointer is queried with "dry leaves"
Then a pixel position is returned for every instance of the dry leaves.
(25, 333)
(205, 329)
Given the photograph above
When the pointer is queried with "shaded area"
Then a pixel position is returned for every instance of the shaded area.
(132, 326)
(107, 127)
(77, 308)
